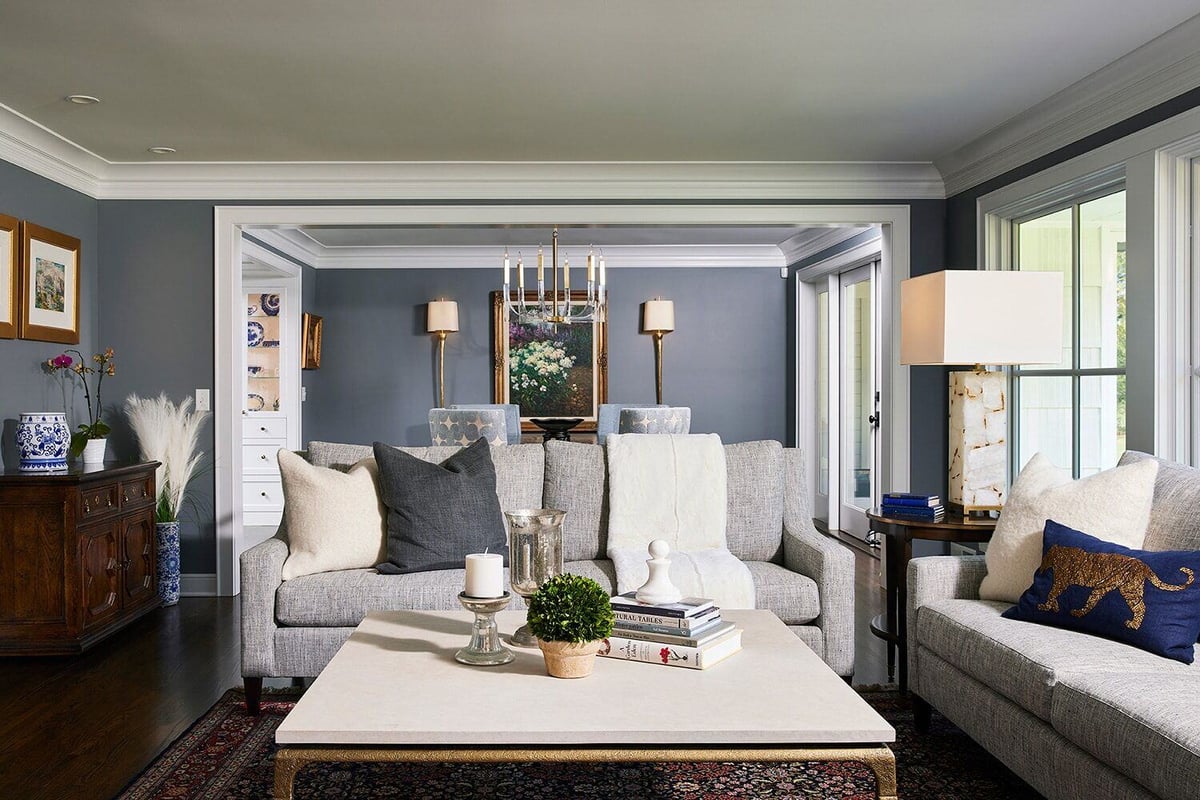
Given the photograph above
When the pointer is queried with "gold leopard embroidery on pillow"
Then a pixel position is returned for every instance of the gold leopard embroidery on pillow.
(1103, 573)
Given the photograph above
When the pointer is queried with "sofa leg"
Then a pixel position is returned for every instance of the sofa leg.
(253, 694)
(922, 713)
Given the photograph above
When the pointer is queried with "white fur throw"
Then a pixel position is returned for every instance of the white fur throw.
(335, 520)
(1113, 505)
(673, 488)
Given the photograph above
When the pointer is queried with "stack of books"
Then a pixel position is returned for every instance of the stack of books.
(913, 506)
(689, 633)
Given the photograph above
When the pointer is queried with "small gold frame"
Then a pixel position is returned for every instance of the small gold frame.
(310, 358)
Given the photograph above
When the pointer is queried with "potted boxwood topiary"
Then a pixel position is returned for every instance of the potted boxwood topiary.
(571, 616)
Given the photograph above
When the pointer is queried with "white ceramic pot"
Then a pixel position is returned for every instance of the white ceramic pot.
(93, 451)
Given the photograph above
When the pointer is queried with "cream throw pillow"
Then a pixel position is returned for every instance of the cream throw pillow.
(335, 520)
(1113, 505)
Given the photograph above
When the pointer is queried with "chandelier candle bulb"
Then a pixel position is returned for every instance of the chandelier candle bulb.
(567, 279)
(485, 575)
(520, 275)
(506, 274)
(591, 267)
(541, 265)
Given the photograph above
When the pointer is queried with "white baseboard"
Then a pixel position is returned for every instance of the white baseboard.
(198, 584)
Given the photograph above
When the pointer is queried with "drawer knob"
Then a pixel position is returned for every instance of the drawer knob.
(263, 429)
(143, 491)
(264, 494)
(109, 501)
(263, 456)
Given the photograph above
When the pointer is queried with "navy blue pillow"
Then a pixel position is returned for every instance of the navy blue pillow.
(1147, 599)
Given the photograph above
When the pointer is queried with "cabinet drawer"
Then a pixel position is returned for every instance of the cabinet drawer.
(261, 457)
(262, 496)
(96, 501)
(264, 428)
(136, 493)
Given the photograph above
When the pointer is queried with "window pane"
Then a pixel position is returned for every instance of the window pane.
(823, 393)
(1102, 282)
(1101, 422)
(857, 315)
(1044, 245)
(1045, 422)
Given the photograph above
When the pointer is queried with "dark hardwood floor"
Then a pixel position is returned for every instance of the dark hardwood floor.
(83, 727)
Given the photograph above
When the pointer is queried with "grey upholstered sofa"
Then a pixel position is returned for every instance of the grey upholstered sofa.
(1076, 716)
(293, 628)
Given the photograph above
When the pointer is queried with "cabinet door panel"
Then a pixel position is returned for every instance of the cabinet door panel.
(100, 552)
(137, 536)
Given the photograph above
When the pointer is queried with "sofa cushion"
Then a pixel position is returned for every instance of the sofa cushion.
(789, 595)
(601, 570)
(1175, 515)
(519, 467)
(1147, 725)
(754, 508)
(439, 513)
(1149, 600)
(1021, 660)
(576, 481)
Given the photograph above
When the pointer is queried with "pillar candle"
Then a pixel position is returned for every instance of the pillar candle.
(485, 575)
(520, 273)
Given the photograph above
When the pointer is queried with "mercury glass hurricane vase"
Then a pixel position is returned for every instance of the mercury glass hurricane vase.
(534, 555)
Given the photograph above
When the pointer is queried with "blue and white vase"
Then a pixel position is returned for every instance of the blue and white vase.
(43, 441)
(166, 548)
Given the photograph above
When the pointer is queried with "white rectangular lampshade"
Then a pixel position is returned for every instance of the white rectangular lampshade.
(658, 315)
(442, 316)
(982, 317)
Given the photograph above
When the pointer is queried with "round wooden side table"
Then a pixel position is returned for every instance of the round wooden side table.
(898, 534)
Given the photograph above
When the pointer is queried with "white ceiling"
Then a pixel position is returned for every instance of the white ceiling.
(626, 80)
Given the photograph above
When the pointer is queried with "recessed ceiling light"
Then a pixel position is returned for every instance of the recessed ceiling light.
(162, 151)
(82, 99)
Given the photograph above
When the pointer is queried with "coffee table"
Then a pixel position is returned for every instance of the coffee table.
(394, 692)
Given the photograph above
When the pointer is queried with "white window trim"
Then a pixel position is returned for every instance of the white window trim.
(1155, 165)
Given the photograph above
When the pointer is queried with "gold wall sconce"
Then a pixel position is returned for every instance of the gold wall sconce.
(658, 319)
(441, 318)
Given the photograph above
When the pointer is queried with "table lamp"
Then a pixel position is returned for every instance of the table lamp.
(441, 319)
(980, 317)
(658, 319)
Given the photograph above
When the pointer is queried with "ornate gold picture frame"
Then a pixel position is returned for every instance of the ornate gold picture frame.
(549, 370)
(311, 356)
(10, 265)
(48, 305)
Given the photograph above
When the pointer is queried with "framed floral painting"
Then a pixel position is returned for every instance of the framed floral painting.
(10, 262)
(549, 370)
(49, 286)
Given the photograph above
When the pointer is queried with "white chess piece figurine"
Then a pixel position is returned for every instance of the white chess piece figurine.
(658, 589)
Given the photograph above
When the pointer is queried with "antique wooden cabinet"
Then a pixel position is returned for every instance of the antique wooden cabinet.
(77, 556)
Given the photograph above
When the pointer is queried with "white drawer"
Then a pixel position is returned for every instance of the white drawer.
(262, 495)
(264, 427)
(261, 457)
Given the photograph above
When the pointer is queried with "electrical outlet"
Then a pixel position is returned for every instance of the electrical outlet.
(202, 401)
(303, 393)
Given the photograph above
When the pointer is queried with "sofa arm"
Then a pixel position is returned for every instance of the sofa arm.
(831, 565)
(262, 570)
(938, 578)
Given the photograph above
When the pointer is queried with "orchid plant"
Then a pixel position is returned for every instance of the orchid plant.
(169, 434)
(95, 427)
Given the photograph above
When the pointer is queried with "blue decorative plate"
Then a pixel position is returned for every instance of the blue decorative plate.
(270, 304)
(255, 402)
(254, 333)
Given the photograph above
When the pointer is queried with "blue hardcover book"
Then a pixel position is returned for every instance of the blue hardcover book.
(913, 512)
(916, 500)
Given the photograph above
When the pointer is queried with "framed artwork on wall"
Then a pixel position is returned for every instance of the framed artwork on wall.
(311, 352)
(49, 286)
(10, 261)
(549, 370)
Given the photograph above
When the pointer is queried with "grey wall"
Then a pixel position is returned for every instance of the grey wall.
(377, 381)
(24, 385)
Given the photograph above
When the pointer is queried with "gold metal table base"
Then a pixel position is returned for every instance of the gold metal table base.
(289, 760)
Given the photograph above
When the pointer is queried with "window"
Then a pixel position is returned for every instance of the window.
(1074, 411)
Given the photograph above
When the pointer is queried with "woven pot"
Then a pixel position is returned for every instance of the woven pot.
(570, 659)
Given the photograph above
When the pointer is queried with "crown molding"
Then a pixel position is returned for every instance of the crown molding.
(814, 240)
(36, 148)
(299, 246)
(1163, 68)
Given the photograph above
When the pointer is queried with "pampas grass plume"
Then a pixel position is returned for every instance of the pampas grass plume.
(169, 434)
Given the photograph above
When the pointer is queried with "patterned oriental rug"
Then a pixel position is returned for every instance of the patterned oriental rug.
(227, 755)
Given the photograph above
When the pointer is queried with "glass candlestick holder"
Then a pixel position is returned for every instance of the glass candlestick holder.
(534, 556)
(485, 649)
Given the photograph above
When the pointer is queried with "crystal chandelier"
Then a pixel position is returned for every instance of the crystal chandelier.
(558, 307)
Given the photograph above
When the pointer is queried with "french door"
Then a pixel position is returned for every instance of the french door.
(848, 377)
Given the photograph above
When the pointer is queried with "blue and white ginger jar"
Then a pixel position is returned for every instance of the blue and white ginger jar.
(43, 441)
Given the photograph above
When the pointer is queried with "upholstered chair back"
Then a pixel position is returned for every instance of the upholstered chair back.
(512, 417)
(676, 419)
(461, 426)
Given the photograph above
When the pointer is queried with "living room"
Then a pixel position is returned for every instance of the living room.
(757, 191)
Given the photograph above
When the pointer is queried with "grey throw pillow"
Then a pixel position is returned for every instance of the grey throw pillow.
(438, 513)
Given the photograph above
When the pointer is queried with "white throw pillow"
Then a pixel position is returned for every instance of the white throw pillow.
(1113, 505)
(335, 520)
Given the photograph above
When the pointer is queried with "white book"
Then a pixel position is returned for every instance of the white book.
(673, 655)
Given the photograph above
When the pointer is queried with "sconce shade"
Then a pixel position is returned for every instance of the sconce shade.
(442, 316)
(658, 315)
(982, 317)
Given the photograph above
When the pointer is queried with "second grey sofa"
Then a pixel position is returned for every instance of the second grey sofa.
(292, 628)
